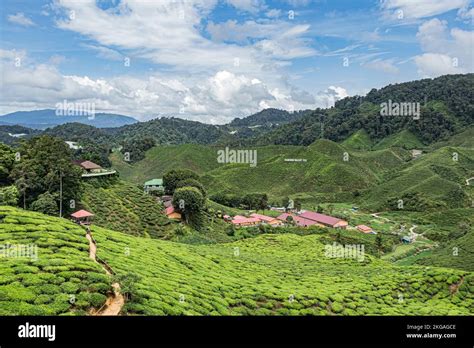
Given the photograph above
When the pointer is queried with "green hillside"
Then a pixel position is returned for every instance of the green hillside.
(267, 275)
(62, 280)
(360, 140)
(437, 176)
(123, 206)
(404, 139)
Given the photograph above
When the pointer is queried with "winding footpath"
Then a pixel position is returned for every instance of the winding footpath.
(114, 302)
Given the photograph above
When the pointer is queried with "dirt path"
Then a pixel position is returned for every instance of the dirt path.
(114, 302)
(468, 181)
(376, 215)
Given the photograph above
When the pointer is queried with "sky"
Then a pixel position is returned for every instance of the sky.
(214, 60)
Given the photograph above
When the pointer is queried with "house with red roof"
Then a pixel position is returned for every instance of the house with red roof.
(243, 221)
(298, 220)
(171, 213)
(309, 218)
(365, 229)
(325, 220)
(267, 219)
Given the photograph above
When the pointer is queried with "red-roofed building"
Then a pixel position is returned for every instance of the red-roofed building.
(82, 217)
(172, 214)
(365, 229)
(325, 220)
(267, 219)
(298, 220)
(242, 221)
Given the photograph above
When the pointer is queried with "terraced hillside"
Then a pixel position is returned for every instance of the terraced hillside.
(123, 206)
(61, 279)
(328, 167)
(267, 275)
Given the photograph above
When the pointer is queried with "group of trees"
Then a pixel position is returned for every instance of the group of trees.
(189, 195)
(445, 108)
(39, 175)
(136, 147)
(250, 201)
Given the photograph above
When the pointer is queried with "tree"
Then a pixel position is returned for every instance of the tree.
(190, 202)
(230, 230)
(9, 195)
(379, 244)
(7, 158)
(297, 205)
(43, 162)
(171, 178)
(128, 284)
(193, 183)
(290, 220)
(45, 204)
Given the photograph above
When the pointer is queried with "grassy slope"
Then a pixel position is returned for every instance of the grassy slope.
(435, 174)
(404, 139)
(214, 279)
(360, 140)
(123, 206)
(63, 268)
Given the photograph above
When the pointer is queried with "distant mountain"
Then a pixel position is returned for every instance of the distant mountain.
(170, 131)
(11, 134)
(42, 119)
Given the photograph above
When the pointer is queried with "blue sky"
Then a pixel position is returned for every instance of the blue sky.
(213, 60)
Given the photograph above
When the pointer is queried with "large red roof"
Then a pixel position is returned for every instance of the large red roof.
(321, 218)
(90, 165)
(300, 221)
(81, 214)
(262, 217)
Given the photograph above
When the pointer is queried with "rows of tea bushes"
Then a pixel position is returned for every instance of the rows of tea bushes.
(278, 274)
(271, 274)
(124, 207)
(57, 277)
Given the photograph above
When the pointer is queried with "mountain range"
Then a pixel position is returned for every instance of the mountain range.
(42, 119)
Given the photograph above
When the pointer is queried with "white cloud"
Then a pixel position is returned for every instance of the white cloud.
(382, 65)
(105, 52)
(21, 19)
(446, 52)
(420, 8)
(217, 98)
(436, 64)
(253, 6)
(273, 13)
(332, 94)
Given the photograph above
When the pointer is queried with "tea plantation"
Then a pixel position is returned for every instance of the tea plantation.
(282, 274)
(61, 280)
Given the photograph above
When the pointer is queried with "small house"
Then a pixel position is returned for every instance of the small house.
(82, 217)
(171, 213)
(90, 167)
(154, 185)
(365, 229)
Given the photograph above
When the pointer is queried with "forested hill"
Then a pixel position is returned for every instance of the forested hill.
(269, 116)
(446, 107)
(170, 131)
